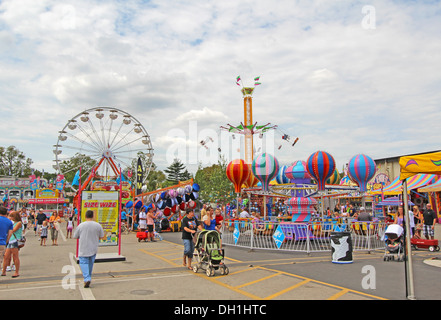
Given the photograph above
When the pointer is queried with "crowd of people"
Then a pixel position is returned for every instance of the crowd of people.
(419, 222)
(14, 225)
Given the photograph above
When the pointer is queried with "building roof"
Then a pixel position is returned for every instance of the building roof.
(404, 155)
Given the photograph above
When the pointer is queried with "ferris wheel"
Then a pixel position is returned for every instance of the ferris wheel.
(105, 140)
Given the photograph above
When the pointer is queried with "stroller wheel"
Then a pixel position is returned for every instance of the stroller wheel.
(195, 269)
(226, 270)
(223, 270)
(210, 271)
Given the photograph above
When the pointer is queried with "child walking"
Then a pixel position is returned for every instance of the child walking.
(69, 227)
(43, 234)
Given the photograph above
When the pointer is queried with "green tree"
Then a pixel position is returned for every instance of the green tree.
(70, 167)
(156, 179)
(214, 183)
(14, 162)
(177, 172)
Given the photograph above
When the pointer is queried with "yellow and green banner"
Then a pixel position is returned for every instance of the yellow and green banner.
(105, 206)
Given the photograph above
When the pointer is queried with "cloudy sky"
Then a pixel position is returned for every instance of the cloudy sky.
(344, 76)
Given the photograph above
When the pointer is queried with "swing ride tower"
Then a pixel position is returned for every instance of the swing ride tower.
(248, 122)
(248, 128)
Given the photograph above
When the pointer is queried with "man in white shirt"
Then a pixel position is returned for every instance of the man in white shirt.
(244, 214)
(89, 234)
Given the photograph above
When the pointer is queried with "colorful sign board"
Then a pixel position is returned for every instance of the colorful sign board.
(105, 205)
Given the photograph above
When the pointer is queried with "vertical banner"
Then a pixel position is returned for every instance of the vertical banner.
(59, 182)
(139, 176)
(105, 206)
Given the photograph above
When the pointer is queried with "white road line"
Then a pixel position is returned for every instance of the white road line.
(101, 281)
(62, 234)
(86, 293)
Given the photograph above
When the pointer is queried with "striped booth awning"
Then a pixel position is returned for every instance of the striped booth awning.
(417, 181)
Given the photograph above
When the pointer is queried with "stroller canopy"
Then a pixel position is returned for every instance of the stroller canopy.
(207, 236)
(394, 231)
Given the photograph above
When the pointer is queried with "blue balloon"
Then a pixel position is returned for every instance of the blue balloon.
(196, 187)
(138, 204)
(129, 204)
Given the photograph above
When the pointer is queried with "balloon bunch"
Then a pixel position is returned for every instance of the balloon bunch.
(321, 167)
(171, 201)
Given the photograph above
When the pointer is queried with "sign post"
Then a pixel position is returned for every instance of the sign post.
(105, 205)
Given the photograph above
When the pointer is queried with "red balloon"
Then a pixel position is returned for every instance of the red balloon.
(321, 166)
(167, 211)
(191, 204)
(251, 181)
(238, 172)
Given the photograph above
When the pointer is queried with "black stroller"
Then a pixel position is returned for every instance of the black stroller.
(209, 256)
(394, 243)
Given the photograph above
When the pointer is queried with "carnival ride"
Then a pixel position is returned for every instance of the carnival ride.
(314, 178)
(102, 141)
(248, 128)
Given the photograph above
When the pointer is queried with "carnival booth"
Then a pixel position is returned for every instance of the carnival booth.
(49, 200)
(411, 166)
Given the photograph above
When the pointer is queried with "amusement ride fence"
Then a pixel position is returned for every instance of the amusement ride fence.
(313, 236)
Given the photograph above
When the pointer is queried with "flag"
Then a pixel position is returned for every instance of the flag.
(76, 179)
(256, 78)
(257, 83)
(238, 79)
(238, 83)
(60, 182)
(120, 179)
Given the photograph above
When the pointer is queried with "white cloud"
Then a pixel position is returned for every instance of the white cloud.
(337, 86)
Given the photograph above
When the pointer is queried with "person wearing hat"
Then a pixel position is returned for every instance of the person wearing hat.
(41, 216)
(363, 215)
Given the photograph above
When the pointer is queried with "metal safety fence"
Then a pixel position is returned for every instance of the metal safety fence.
(314, 236)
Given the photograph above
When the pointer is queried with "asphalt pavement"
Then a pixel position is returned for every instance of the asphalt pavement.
(154, 271)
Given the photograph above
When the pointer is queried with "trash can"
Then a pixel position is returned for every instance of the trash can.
(341, 243)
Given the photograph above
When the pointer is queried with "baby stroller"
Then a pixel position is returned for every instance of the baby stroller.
(209, 256)
(394, 243)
